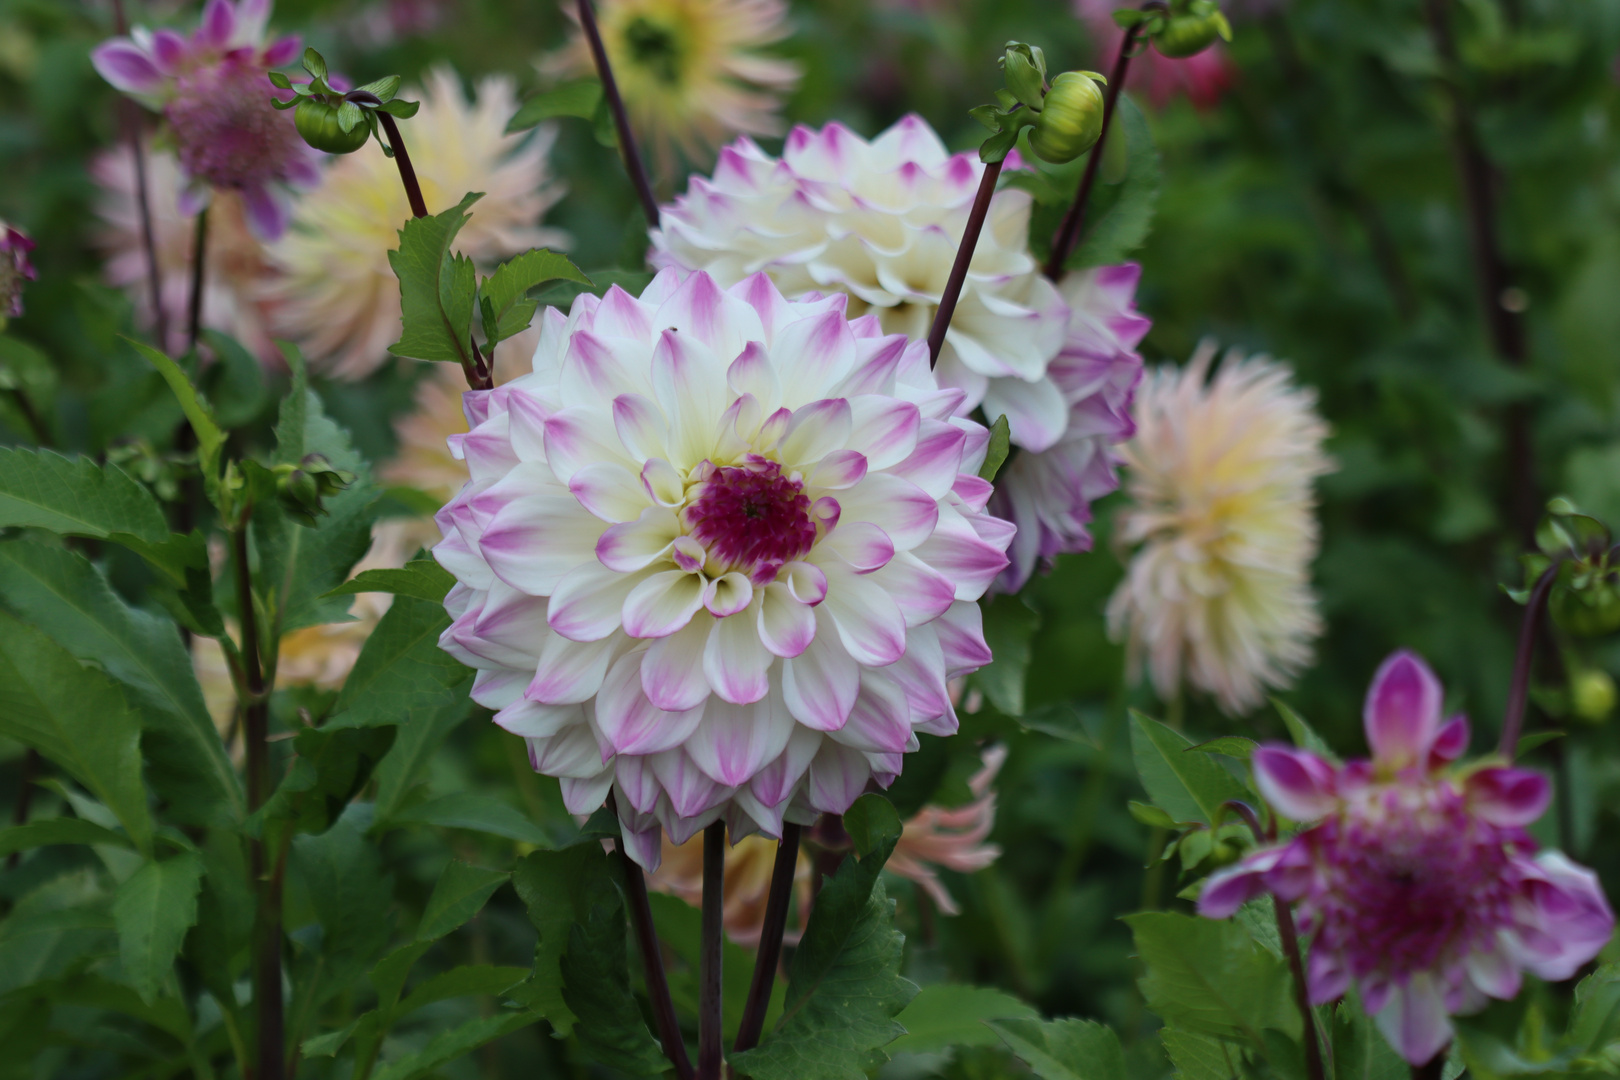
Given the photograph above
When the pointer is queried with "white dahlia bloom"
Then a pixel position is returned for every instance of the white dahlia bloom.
(881, 221)
(719, 555)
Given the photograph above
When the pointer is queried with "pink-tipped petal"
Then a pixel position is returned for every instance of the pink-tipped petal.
(1402, 713)
(1298, 784)
(1508, 796)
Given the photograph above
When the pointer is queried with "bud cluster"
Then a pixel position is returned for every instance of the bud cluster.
(301, 487)
(335, 121)
(1065, 115)
(1179, 29)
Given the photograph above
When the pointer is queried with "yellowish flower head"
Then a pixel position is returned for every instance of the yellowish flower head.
(1222, 519)
(338, 296)
(690, 71)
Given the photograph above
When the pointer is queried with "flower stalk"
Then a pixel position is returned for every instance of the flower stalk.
(964, 256)
(199, 270)
(633, 163)
(770, 940)
(407, 173)
(1535, 610)
(709, 958)
(652, 963)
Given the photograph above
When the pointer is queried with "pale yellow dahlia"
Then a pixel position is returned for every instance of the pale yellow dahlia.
(1222, 517)
(338, 296)
(690, 71)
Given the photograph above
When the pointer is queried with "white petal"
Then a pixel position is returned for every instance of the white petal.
(786, 625)
(815, 431)
(532, 543)
(609, 490)
(734, 741)
(629, 722)
(869, 622)
(587, 602)
(820, 684)
(735, 661)
(570, 671)
(905, 512)
(632, 545)
(663, 604)
(672, 670)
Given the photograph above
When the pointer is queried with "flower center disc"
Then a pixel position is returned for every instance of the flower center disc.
(750, 517)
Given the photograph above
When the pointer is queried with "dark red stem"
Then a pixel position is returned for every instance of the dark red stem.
(714, 887)
(621, 120)
(1068, 233)
(964, 256)
(770, 940)
(1302, 994)
(199, 270)
(407, 174)
(652, 966)
(1535, 608)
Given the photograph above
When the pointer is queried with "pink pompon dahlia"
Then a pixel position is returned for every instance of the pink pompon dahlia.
(719, 555)
(1418, 880)
(212, 89)
(15, 268)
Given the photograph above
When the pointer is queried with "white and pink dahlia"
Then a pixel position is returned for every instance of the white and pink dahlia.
(719, 555)
(1417, 880)
(881, 221)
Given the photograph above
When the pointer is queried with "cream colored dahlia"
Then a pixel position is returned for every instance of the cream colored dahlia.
(1222, 519)
(691, 71)
(235, 270)
(719, 555)
(880, 221)
(338, 296)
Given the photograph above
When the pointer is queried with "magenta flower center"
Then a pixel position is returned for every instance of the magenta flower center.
(1412, 881)
(227, 132)
(750, 517)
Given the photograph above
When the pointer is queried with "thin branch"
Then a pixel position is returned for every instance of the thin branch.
(621, 120)
(770, 940)
(1302, 994)
(709, 956)
(407, 173)
(964, 256)
(1535, 609)
(199, 271)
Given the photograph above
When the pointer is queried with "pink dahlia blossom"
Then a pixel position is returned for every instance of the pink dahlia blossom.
(1202, 77)
(15, 268)
(212, 89)
(719, 555)
(881, 221)
(1418, 880)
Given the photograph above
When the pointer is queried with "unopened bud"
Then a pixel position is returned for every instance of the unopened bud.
(317, 122)
(300, 488)
(1070, 120)
(1190, 29)
(1592, 694)
(1591, 611)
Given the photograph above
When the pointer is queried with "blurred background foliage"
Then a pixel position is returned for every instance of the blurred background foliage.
(1311, 211)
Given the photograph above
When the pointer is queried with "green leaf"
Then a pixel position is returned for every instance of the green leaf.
(329, 1044)
(75, 716)
(421, 578)
(40, 945)
(435, 287)
(1234, 746)
(503, 295)
(461, 893)
(57, 831)
(329, 768)
(153, 910)
(1189, 787)
(210, 437)
(76, 497)
(385, 87)
(1304, 736)
(996, 453)
(1360, 1051)
(579, 99)
(1064, 1049)
(1208, 977)
(596, 986)
(350, 891)
(1117, 225)
(1152, 816)
(61, 593)
(1009, 630)
(873, 823)
(401, 669)
(404, 110)
(469, 980)
(1534, 739)
(348, 115)
(315, 64)
(561, 294)
(235, 382)
(844, 983)
(454, 1043)
(557, 887)
(421, 732)
(476, 813)
(1199, 1057)
(950, 1014)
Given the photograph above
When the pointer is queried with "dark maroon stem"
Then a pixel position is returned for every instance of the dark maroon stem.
(652, 965)
(770, 940)
(964, 256)
(407, 174)
(621, 120)
(1068, 233)
(199, 271)
(1302, 995)
(714, 888)
(1502, 318)
(1535, 609)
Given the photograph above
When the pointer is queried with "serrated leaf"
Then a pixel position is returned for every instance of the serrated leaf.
(1064, 1049)
(153, 909)
(556, 887)
(1199, 1057)
(435, 287)
(1009, 630)
(401, 668)
(421, 732)
(1189, 787)
(1359, 1051)
(469, 980)
(350, 891)
(454, 1043)
(1208, 976)
(329, 1044)
(329, 767)
(210, 437)
(873, 823)
(477, 813)
(40, 945)
(75, 716)
(61, 593)
(57, 831)
(950, 1014)
(461, 893)
(596, 986)
(235, 382)
(579, 99)
(996, 453)
(844, 983)
(424, 579)
(506, 309)
(1118, 227)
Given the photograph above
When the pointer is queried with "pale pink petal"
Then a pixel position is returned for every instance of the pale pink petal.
(862, 545)
(641, 426)
(672, 670)
(838, 470)
(735, 662)
(786, 626)
(533, 542)
(729, 594)
(632, 724)
(662, 604)
(1036, 412)
(536, 721)
(880, 719)
(1572, 914)
(820, 684)
(586, 604)
(869, 622)
(884, 429)
(735, 741)
(633, 545)
(569, 672)
(1414, 1019)
(1508, 796)
(691, 792)
(1402, 713)
(610, 491)
(836, 777)
(1495, 973)
(127, 67)
(905, 513)
(814, 431)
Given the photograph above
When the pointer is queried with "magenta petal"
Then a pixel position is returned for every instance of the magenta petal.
(1297, 784)
(1327, 977)
(1414, 1019)
(1402, 711)
(127, 67)
(1507, 796)
(218, 24)
(1227, 890)
(169, 51)
(268, 213)
(282, 51)
(1452, 742)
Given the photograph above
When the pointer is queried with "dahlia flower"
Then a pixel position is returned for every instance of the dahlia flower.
(881, 222)
(337, 295)
(1417, 880)
(690, 71)
(15, 268)
(1223, 519)
(719, 555)
(1202, 77)
(213, 91)
(234, 269)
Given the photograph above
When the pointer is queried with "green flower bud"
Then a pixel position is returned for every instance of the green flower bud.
(317, 122)
(1593, 695)
(1592, 611)
(1070, 120)
(1191, 33)
(300, 488)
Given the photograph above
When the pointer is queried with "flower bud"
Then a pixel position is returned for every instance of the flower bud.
(1592, 694)
(317, 122)
(1070, 119)
(1592, 611)
(300, 488)
(1191, 30)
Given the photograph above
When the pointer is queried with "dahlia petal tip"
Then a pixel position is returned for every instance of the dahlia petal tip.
(1402, 712)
